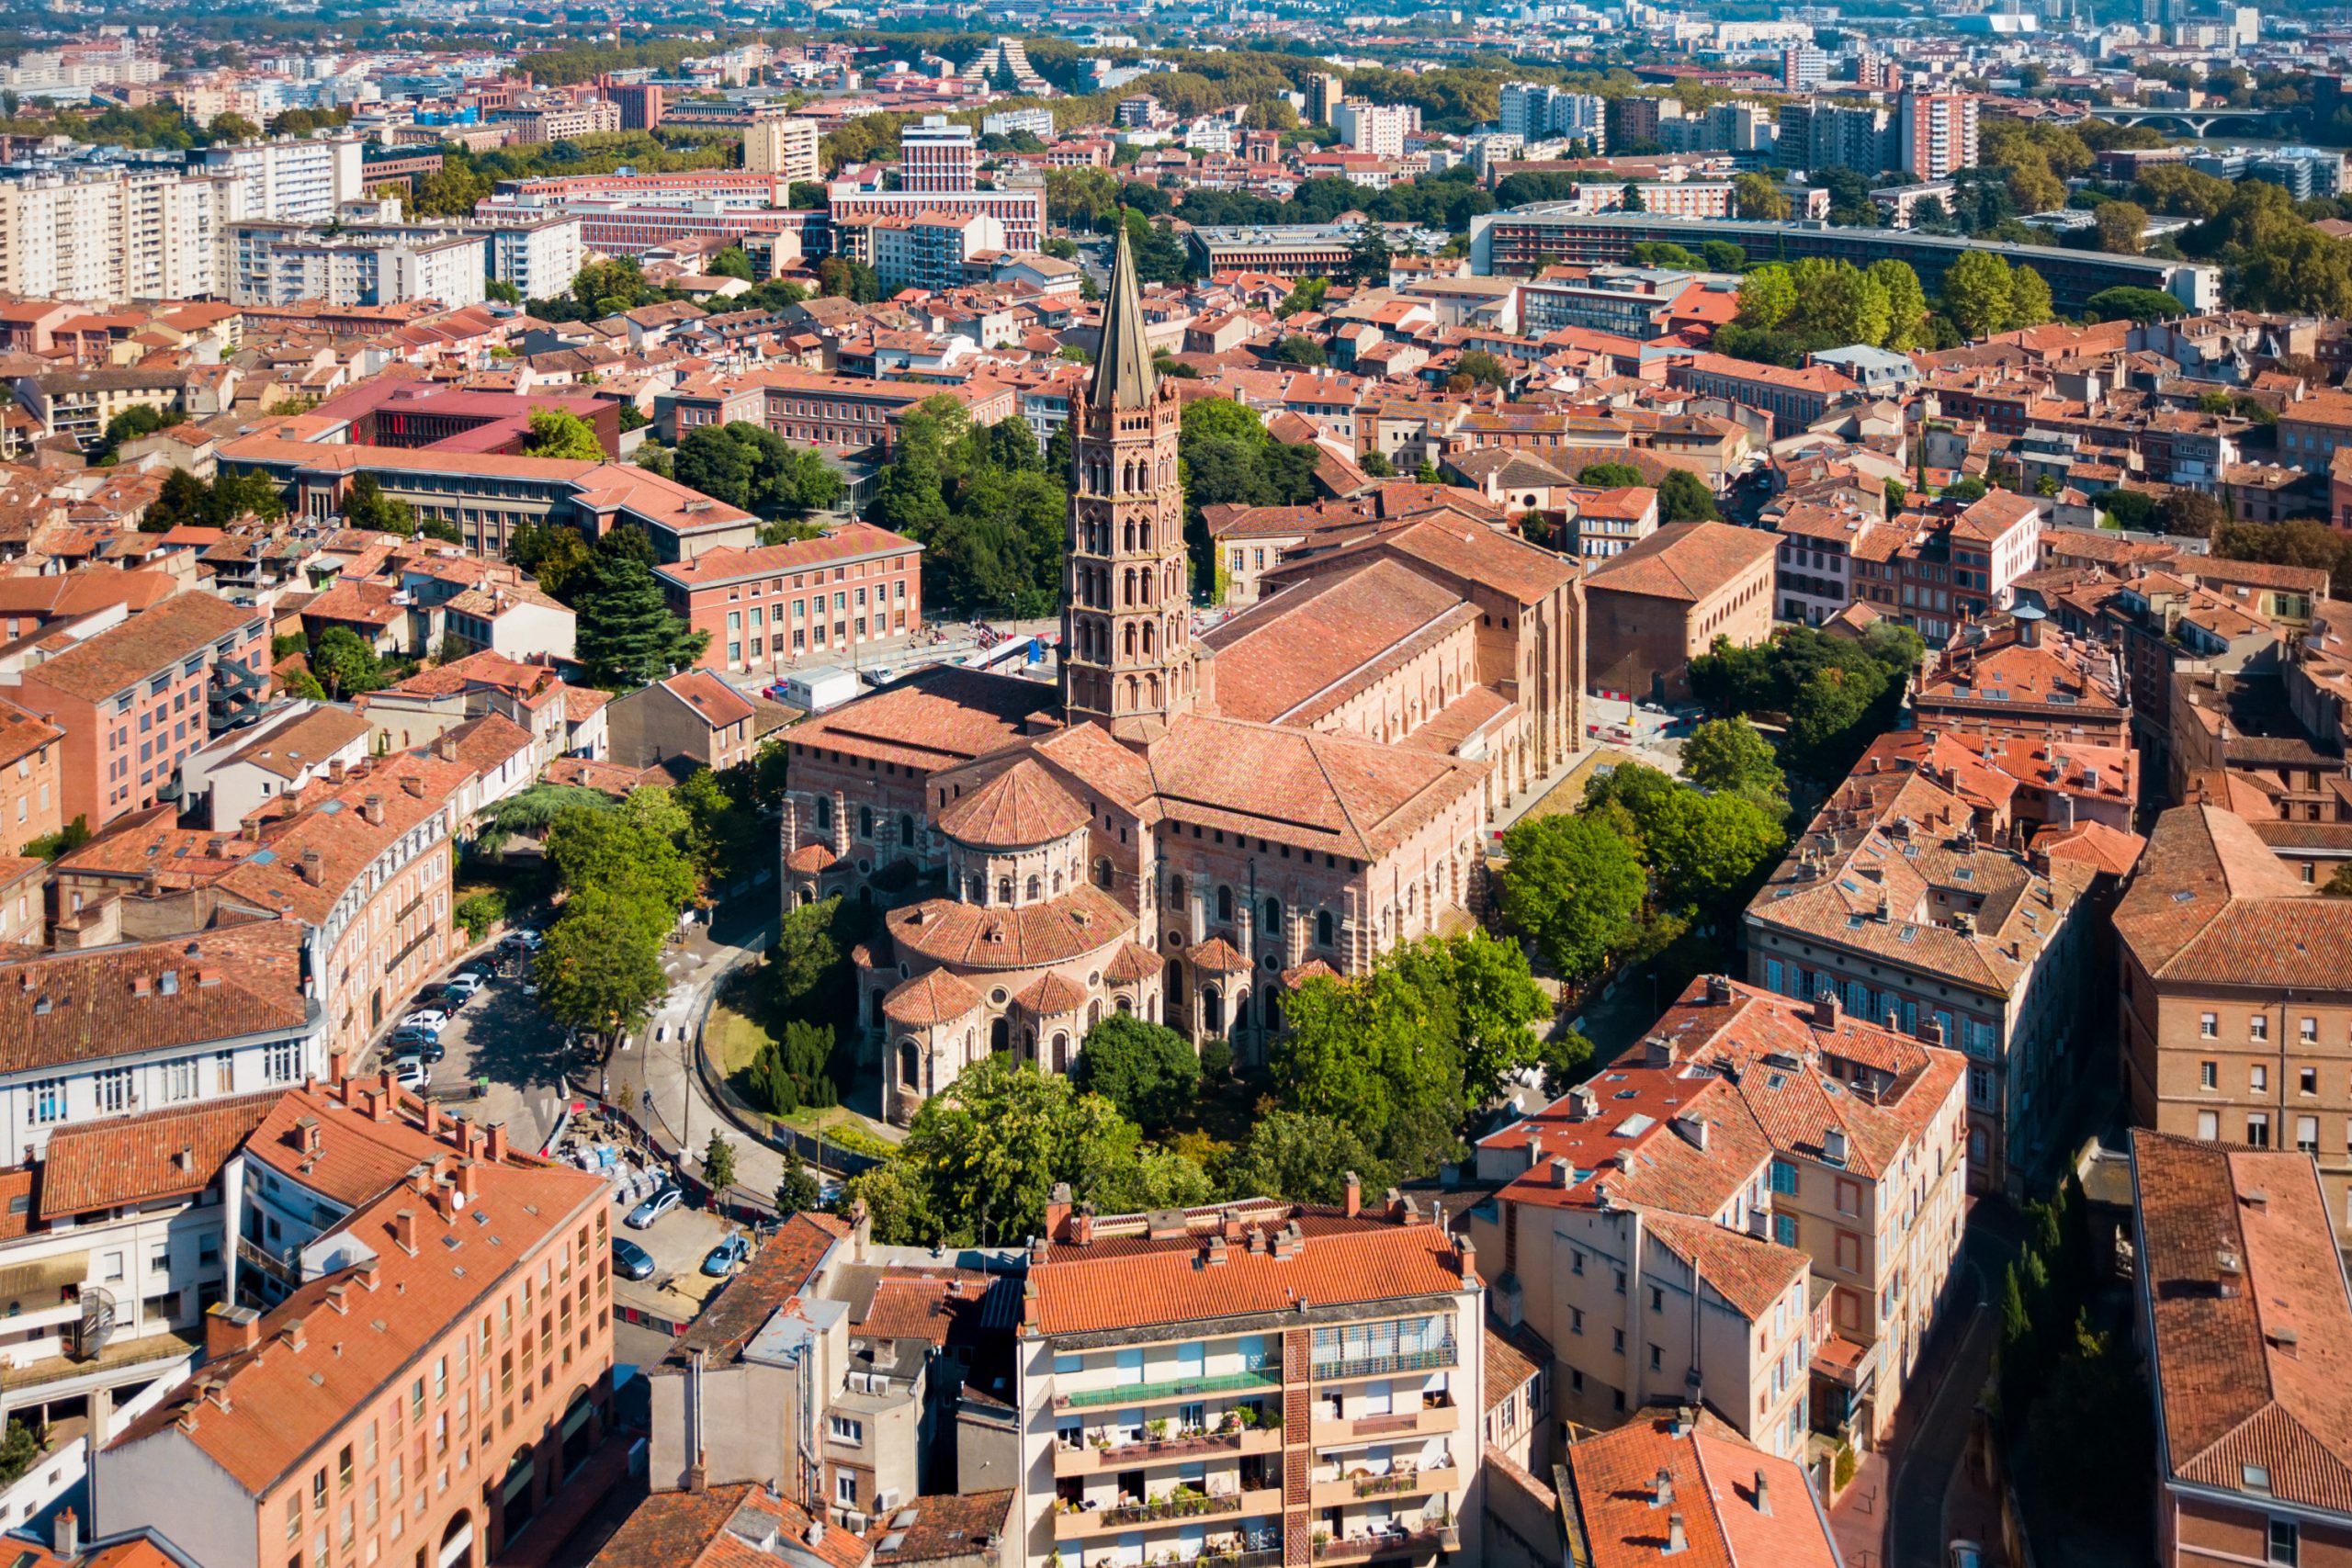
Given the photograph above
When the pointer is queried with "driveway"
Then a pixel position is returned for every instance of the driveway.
(678, 1241)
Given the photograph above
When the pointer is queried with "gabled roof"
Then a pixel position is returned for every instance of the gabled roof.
(1683, 561)
(2211, 903)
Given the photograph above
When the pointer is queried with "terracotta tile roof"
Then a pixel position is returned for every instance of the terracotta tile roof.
(1509, 1367)
(726, 1527)
(1712, 1472)
(1133, 1282)
(1683, 561)
(980, 936)
(2212, 904)
(330, 819)
(1053, 996)
(1021, 807)
(66, 1007)
(165, 1154)
(182, 626)
(23, 732)
(2250, 1324)
(922, 1304)
(260, 1412)
(933, 718)
(784, 1269)
(1134, 962)
(1313, 643)
(2095, 844)
(305, 743)
(1747, 1271)
(726, 564)
(718, 704)
(943, 1527)
(1218, 956)
(1468, 552)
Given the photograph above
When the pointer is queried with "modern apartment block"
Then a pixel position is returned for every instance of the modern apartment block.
(1535, 112)
(784, 145)
(296, 180)
(1937, 133)
(939, 156)
(1378, 130)
(279, 264)
(439, 1368)
(108, 232)
(1253, 1378)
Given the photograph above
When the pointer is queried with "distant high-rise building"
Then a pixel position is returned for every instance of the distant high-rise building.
(1803, 68)
(1824, 136)
(1878, 73)
(639, 103)
(1324, 92)
(938, 156)
(1632, 120)
(1938, 133)
(1378, 129)
(1005, 62)
(1535, 112)
(781, 145)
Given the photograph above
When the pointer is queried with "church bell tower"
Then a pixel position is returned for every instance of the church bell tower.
(1127, 654)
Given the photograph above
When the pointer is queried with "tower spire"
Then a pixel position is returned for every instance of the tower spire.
(1124, 378)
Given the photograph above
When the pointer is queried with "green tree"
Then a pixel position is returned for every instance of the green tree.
(232, 128)
(1478, 990)
(1369, 1053)
(626, 636)
(367, 506)
(1575, 886)
(1731, 755)
(2120, 227)
(1630, 199)
(1147, 1070)
(2030, 300)
(797, 1192)
(1483, 369)
(598, 971)
(1976, 293)
(1707, 848)
(451, 191)
(345, 664)
(1756, 195)
(2132, 305)
(1609, 476)
(732, 263)
(1301, 1158)
(1300, 349)
(1683, 497)
(140, 419)
(556, 554)
(498, 291)
(718, 1166)
(1906, 305)
(631, 853)
(989, 1148)
(558, 433)
(1768, 296)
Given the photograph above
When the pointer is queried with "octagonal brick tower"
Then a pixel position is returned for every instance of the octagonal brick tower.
(1127, 655)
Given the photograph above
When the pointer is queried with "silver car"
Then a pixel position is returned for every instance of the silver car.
(653, 1208)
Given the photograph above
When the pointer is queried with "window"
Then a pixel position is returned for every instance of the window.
(2286, 1542)
(114, 1091)
(2208, 1074)
(2257, 1078)
(45, 1102)
(2209, 1024)
(845, 1489)
(2307, 1082)
(843, 1430)
(2209, 1125)
(179, 1079)
(281, 1061)
(1784, 1177)
(2257, 1130)
(2257, 1026)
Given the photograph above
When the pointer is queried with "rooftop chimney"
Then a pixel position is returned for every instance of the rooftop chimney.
(67, 1538)
(404, 1231)
(1057, 1207)
(372, 809)
(312, 867)
(494, 1144)
(1718, 989)
(1763, 1493)
(228, 1329)
(1675, 1539)
(1355, 1194)
(1662, 1488)
(1826, 1008)
(466, 1180)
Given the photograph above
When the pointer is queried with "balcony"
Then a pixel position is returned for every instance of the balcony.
(1369, 1549)
(1400, 1482)
(1181, 1507)
(1127, 1456)
(1435, 1358)
(1263, 1371)
(1433, 1418)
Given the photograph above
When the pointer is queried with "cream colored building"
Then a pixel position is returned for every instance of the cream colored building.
(784, 145)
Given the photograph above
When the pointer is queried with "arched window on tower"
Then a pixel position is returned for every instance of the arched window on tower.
(824, 811)
(1147, 639)
(1323, 928)
(1036, 888)
(1128, 639)
(1273, 913)
(1004, 890)
(1225, 903)
(1128, 532)
(905, 831)
(1144, 530)
(975, 890)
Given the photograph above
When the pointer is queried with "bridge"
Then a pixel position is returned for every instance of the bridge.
(2198, 121)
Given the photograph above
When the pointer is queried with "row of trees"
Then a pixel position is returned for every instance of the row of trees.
(990, 510)
(1787, 311)
(1224, 456)
(752, 466)
(625, 878)
(1835, 693)
(1379, 1076)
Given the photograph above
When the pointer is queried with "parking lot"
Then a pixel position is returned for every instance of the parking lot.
(504, 1036)
(679, 1240)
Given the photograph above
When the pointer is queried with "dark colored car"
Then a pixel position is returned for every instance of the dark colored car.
(633, 1261)
(416, 1043)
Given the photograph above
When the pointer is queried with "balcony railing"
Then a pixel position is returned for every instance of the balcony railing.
(1435, 1358)
(1262, 1371)
(1415, 1543)
(1191, 1507)
(1396, 1481)
(1169, 1448)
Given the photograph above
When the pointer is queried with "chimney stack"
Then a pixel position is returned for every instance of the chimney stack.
(494, 1146)
(1662, 1488)
(1763, 1495)
(312, 867)
(1675, 1539)
(1826, 1008)
(337, 1063)
(1718, 989)
(67, 1540)
(228, 1329)
(404, 1231)
(372, 809)
(1355, 1194)
(1057, 1207)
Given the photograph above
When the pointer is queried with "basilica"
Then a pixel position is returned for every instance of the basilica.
(1195, 823)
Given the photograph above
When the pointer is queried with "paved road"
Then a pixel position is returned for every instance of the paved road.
(1937, 1431)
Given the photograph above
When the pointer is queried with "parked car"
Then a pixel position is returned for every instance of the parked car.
(633, 1261)
(653, 1208)
(410, 1073)
(432, 1018)
(465, 984)
(480, 968)
(417, 1043)
(721, 1259)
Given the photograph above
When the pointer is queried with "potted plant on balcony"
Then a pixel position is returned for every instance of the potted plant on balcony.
(1098, 1439)
(1232, 1421)
(1157, 1427)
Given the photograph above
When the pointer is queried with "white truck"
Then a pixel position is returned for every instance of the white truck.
(817, 690)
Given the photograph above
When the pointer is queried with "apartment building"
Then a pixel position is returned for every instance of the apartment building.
(1679, 1482)
(2242, 1302)
(280, 264)
(295, 180)
(1535, 112)
(2022, 677)
(31, 789)
(1376, 130)
(136, 699)
(1253, 1377)
(108, 232)
(560, 122)
(439, 1368)
(1937, 133)
(859, 586)
(930, 251)
(1905, 897)
(939, 156)
(784, 145)
(2236, 1007)
(1792, 400)
(1654, 1218)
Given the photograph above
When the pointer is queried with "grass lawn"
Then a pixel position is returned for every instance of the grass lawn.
(734, 1038)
